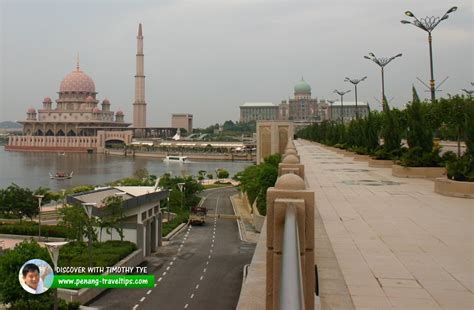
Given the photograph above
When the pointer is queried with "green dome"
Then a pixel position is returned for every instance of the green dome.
(302, 87)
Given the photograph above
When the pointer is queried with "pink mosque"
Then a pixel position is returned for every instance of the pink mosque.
(77, 123)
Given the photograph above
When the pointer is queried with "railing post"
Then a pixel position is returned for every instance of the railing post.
(289, 188)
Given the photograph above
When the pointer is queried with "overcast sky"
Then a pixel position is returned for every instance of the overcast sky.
(207, 57)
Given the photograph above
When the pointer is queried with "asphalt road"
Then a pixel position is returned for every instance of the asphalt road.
(201, 268)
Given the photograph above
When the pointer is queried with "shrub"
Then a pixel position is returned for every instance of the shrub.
(31, 229)
(461, 169)
(417, 157)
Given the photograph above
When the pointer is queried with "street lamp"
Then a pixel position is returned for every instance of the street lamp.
(355, 82)
(428, 24)
(469, 92)
(88, 208)
(382, 62)
(40, 198)
(53, 250)
(331, 102)
(181, 188)
(341, 93)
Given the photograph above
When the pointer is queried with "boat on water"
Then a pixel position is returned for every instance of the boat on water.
(60, 175)
(176, 159)
(61, 153)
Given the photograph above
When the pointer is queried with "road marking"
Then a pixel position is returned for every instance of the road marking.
(212, 245)
(174, 258)
(210, 251)
(202, 277)
(185, 306)
(192, 296)
(135, 307)
(143, 298)
(164, 273)
(167, 268)
(205, 269)
(159, 279)
(209, 256)
(179, 249)
(148, 293)
(171, 263)
(207, 263)
(156, 284)
(181, 246)
(197, 286)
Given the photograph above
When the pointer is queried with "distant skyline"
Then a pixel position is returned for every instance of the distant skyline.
(208, 57)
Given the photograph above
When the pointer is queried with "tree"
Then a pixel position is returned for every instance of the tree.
(222, 173)
(76, 220)
(114, 215)
(390, 130)
(18, 202)
(141, 173)
(419, 133)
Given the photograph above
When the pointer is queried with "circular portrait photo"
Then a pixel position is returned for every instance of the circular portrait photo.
(36, 276)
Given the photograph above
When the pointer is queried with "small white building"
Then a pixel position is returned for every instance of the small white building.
(142, 224)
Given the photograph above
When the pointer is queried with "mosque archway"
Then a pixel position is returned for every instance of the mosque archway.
(114, 143)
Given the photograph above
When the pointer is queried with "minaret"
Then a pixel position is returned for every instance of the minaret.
(139, 106)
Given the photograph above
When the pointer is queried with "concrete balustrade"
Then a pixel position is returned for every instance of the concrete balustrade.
(289, 189)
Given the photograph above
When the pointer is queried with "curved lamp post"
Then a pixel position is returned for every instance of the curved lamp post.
(53, 250)
(341, 93)
(355, 82)
(428, 24)
(382, 62)
(331, 102)
(88, 206)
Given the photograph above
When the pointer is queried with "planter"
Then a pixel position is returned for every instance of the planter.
(380, 163)
(418, 172)
(360, 157)
(447, 187)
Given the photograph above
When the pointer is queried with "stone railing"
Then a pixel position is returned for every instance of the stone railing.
(282, 272)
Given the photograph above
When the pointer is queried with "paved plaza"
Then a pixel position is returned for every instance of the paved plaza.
(398, 244)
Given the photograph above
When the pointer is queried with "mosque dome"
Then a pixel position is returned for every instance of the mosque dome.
(106, 101)
(47, 100)
(119, 113)
(77, 81)
(302, 87)
(96, 110)
(31, 110)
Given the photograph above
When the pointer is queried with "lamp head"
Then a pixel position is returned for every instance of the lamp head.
(371, 54)
(367, 57)
(408, 13)
(453, 9)
(362, 79)
(399, 55)
(405, 22)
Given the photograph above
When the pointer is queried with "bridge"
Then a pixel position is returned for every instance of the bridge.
(342, 235)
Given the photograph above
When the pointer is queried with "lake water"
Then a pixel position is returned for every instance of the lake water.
(32, 169)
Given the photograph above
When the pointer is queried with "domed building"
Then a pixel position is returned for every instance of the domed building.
(74, 123)
(302, 107)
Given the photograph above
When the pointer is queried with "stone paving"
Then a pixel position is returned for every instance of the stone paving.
(398, 244)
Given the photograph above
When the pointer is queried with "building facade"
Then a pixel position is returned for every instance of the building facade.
(348, 109)
(304, 108)
(182, 120)
(259, 111)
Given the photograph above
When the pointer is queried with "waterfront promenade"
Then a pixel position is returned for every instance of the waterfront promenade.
(398, 244)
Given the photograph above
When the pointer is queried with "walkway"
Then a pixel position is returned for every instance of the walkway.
(398, 244)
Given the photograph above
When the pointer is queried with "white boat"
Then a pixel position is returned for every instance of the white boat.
(176, 159)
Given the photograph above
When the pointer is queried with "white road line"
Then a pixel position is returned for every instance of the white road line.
(159, 279)
(148, 293)
(209, 256)
(207, 263)
(174, 258)
(192, 296)
(181, 246)
(135, 307)
(185, 306)
(156, 284)
(212, 245)
(197, 286)
(204, 270)
(171, 263)
(164, 273)
(167, 268)
(210, 251)
(202, 277)
(143, 298)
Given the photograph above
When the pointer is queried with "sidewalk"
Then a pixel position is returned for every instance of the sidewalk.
(399, 244)
(248, 231)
